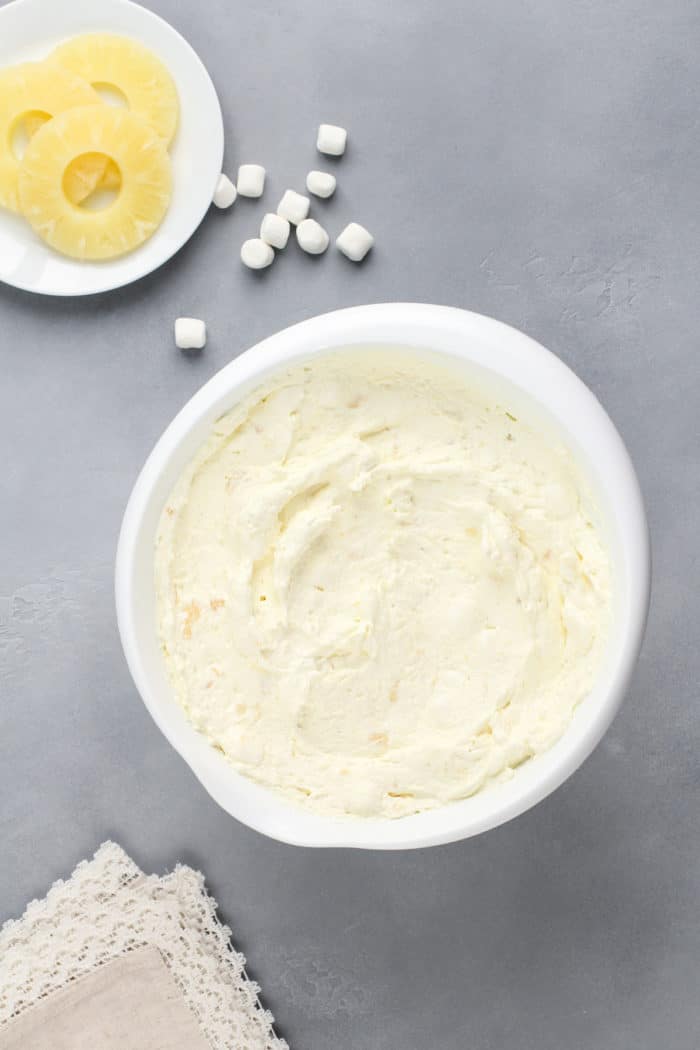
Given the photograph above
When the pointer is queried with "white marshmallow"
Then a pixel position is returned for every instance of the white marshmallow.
(225, 192)
(190, 333)
(320, 183)
(331, 139)
(251, 180)
(294, 207)
(312, 237)
(274, 230)
(256, 254)
(355, 241)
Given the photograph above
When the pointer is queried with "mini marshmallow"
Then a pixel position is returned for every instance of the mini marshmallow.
(190, 333)
(320, 183)
(256, 254)
(331, 140)
(312, 237)
(294, 207)
(225, 192)
(251, 180)
(355, 241)
(274, 230)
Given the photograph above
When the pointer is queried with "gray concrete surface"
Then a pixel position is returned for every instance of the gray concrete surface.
(537, 161)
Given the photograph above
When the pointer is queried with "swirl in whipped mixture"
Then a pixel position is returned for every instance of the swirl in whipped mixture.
(378, 590)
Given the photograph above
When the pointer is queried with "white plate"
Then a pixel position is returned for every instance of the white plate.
(29, 29)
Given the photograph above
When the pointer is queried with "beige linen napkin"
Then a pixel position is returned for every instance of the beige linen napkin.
(140, 955)
(130, 1002)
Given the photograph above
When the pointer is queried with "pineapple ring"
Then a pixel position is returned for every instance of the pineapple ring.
(33, 92)
(139, 154)
(129, 66)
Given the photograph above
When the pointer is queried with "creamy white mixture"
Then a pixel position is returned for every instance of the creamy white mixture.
(378, 590)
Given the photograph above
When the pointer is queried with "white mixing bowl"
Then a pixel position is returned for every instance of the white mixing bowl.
(530, 373)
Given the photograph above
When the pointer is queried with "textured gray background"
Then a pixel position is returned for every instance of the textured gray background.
(537, 161)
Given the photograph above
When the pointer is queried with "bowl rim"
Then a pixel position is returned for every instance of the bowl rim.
(505, 352)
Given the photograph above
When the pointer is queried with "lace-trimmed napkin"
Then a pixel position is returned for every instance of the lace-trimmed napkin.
(113, 958)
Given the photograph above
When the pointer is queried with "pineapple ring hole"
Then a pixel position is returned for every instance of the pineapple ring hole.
(111, 94)
(98, 197)
(24, 127)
